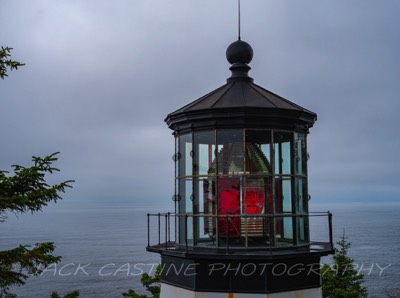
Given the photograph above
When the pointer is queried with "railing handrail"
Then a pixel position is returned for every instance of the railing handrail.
(202, 214)
(227, 218)
(309, 214)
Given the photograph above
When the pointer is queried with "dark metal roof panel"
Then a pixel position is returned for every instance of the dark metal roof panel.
(233, 97)
(240, 94)
(204, 102)
(276, 100)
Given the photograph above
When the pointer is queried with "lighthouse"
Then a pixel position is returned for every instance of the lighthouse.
(241, 222)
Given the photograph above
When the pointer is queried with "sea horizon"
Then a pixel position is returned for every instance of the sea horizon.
(103, 246)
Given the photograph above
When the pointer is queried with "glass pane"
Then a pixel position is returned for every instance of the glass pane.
(258, 151)
(185, 155)
(302, 208)
(258, 190)
(230, 152)
(301, 195)
(204, 203)
(287, 228)
(300, 154)
(175, 158)
(284, 230)
(204, 153)
(185, 195)
(176, 197)
(283, 195)
(255, 227)
(283, 209)
(287, 208)
(185, 207)
(190, 230)
(302, 230)
(230, 196)
(188, 196)
(282, 150)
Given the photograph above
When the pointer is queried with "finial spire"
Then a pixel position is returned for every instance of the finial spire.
(239, 54)
(239, 19)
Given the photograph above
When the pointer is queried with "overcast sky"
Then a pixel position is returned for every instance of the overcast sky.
(101, 76)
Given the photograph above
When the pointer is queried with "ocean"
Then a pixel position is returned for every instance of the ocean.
(103, 248)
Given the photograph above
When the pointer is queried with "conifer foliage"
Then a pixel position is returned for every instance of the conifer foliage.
(73, 294)
(341, 279)
(151, 283)
(26, 190)
(6, 62)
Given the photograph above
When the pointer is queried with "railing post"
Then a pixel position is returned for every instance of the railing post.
(166, 231)
(245, 229)
(216, 223)
(148, 229)
(330, 228)
(227, 231)
(176, 227)
(271, 234)
(159, 229)
(186, 231)
(169, 226)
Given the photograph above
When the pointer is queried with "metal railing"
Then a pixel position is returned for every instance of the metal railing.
(225, 230)
(167, 228)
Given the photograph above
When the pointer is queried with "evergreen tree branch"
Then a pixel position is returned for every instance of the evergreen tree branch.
(16, 265)
(27, 191)
(6, 62)
(151, 283)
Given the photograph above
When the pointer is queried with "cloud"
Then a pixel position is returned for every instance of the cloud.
(101, 76)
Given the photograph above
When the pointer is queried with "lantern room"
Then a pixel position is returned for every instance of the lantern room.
(241, 195)
(241, 165)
